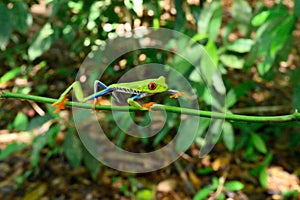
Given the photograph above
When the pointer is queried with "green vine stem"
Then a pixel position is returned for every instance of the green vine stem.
(156, 107)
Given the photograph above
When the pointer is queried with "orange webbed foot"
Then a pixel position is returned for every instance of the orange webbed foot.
(61, 105)
(97, 102)
(179, 94)
(148, 105)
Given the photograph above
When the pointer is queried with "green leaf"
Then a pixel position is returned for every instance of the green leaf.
(296, 97)
(297, 8)
(226, 30)
(5, 24)
(240, 45)
(237, 92)
(260, 18)
(161, 135)
(11, 148)
(144, 194)
(40, 142)
(198, 37)
(263, 177)
(274, 33)
(234, 186)
(258, 143)
(180, 19)
(205, 170)
(73, 149)
(38, 121)
(22, 18)
(91, 163)
(228, 136)
(215, 22)
(232, 61)
(203, 193)
(11, 74)
(242, 13)
(210, 19)
(41, 42)
(212, 51)
(20, 122)
(268, 159)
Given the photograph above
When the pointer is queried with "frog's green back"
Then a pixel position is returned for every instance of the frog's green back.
(143, 86)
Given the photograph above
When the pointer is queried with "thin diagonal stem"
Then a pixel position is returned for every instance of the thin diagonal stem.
(156, 107)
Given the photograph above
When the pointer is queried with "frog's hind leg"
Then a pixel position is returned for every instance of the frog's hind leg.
(97, 84)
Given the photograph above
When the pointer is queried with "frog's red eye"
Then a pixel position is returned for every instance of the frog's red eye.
(152, 86)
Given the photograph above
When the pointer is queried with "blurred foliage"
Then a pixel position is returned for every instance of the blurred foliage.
(40, 52)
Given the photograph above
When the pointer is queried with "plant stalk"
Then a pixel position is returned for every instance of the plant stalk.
(156, 107)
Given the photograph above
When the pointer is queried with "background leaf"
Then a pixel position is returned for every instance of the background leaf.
(21, 121)
(5, 24)
(258, 143)
(297, 8)
(234, 185)
(242, 13)
(13, 73)
(228, 136)
(91, 163)
(42, 42)
(237, 92)
(22, 17)
(73, 149)
(240, 45)
(263, 177)
(232, 61)
(11, 148)
(210, 19)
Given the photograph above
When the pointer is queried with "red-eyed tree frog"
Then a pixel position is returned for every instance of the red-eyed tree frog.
(138, 90)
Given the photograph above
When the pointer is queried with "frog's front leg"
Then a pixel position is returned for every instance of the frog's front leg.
(60, 103)
(131, 101)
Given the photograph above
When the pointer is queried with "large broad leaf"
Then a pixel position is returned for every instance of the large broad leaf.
(232, 61)
(242, 13)
(297, 8)
(180, 20)
(11, 74)
(212, 51)
(145, 194)
(20, 122)
(40, 142)
(73, 149)
(234, 94)
(260, 18)
(210, 19)
(91, 163)
(234, 185)
(42, 41)
(203, 193)
(22, 17)
(258, 143)
(228, 136)
(5, 24)
(263, 177)
(240, 45)
(275, 27)
(11, 148)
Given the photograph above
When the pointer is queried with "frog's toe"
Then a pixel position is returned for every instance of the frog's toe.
(60, 105)
(97, 102)
(179, 94)
(147, 106)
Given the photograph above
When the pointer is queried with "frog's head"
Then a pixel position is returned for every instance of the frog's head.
(156, 85)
